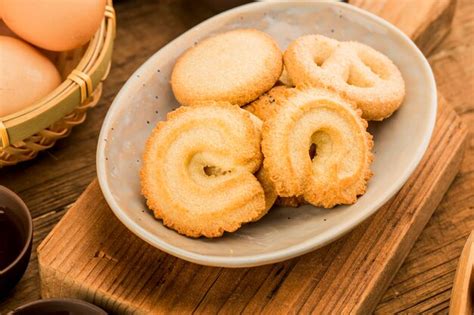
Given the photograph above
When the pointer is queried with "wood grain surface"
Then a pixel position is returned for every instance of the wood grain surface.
(406, 14)
(90, 255)
(348, 276)
(56, 178)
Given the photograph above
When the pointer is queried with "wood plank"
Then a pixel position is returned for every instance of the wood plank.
(436, 252)
(428, 31)
(363, 302)
(56, 178)
(453, 70)
(91, 255)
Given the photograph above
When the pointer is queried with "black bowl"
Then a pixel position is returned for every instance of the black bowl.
(16, 238)
(58, 307)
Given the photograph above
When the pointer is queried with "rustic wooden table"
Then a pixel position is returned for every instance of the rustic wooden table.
(52, 182)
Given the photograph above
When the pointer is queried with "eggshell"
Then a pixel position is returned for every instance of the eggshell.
(5, 31)
(26, 75)
(57, 25)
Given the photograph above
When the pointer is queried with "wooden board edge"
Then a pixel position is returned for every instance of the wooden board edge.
(428, 33)
(428, 38)
(52, 278)
(447, 176)
(426, 44)
(89, 188)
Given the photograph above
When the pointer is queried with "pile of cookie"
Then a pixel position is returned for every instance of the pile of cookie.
(259, 127)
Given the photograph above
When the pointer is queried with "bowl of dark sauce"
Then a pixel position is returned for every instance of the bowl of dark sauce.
(58, 307)
(16, 236)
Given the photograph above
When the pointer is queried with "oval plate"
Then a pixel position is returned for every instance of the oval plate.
(146, 98)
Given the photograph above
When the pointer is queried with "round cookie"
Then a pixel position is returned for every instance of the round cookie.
(356, 71)
(317, 146)
(198, 170)
(234, 67)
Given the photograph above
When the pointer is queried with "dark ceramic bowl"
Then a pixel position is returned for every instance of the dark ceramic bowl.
(16, 238)
(58, 307)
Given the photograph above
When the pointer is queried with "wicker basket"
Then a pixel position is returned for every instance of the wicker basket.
(37, 127)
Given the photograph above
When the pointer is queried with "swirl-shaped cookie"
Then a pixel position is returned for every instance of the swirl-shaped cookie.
(317, 146)
(234, 67)
(198, 170)
(356, 71)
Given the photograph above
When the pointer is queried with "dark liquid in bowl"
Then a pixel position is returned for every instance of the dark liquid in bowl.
(10, 240)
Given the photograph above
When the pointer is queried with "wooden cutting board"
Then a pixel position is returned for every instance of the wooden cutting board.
(92, 256)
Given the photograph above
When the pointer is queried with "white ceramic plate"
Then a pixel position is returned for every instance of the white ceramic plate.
(400, 141)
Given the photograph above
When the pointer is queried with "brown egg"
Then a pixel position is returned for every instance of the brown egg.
(57, 25)
(25, 75)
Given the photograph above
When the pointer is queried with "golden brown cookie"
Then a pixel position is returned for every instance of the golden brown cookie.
(354, 70)
(266, 105)
(262, 175)
(198, 170)
(234, 67)
(317, 146)
(292, 202)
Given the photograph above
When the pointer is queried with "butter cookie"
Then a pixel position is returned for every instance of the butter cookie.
(317, 146)
(354, 70)
(234, 67)
(198, 170)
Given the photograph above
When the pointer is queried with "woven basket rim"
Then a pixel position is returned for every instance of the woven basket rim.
(84, 78)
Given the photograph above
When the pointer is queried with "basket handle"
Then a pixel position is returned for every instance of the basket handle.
(77, 88)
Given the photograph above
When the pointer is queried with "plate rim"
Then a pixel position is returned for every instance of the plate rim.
(292, 251)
